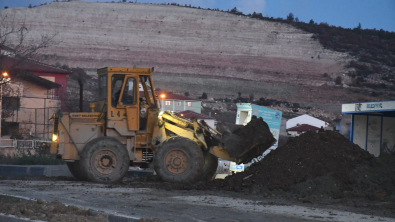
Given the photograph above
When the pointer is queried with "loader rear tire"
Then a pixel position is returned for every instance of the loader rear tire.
(75, 170)
(179, 159)
(210, 166)
(104, 160)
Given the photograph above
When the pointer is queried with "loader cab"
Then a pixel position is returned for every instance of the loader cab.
(129, 98)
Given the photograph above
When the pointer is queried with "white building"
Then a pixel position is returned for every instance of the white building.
(178, 103)
(305, 119)
(188, 114)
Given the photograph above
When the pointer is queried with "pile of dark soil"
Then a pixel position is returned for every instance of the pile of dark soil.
(45, 211)
(320, 164)
(249, 141)
(305, 157)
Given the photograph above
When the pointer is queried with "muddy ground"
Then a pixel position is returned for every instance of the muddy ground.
(313, 177)
(194, 205)
(45, 210)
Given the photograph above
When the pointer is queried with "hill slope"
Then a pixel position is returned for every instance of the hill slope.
(194, 50)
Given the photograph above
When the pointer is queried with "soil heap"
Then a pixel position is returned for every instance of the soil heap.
(249, 141)
(323, 163)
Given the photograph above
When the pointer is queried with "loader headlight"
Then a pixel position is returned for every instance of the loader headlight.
(54, 138)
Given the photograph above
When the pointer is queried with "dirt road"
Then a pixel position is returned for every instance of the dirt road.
(179, 205)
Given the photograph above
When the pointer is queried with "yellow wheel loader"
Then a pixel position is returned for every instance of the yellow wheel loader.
(126, 128)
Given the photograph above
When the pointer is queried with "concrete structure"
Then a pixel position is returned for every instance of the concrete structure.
(372, 125)
(188, 114)
(178, 103)
(300, 129)
(306, 119)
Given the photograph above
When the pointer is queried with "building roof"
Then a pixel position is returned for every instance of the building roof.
(7, 62)
(305, 119)
(36, 80)
(303, 128)
(6, 48)
(189, 114)
(171, 96)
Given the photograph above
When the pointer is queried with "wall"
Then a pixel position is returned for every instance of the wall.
(374, 133)
(34, 116)
(388, 139)
(360, 127)
(58, 78)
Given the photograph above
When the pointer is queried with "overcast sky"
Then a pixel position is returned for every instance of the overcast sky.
(379, 14)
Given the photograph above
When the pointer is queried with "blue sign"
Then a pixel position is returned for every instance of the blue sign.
(271, 117)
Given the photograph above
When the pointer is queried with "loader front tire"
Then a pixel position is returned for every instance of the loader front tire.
(179, 159)
(210, 166)
(104, 160)
(75, 170)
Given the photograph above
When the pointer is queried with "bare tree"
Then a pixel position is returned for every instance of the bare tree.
(15, 42)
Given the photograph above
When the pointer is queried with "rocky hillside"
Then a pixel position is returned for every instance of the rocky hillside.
(197, 50)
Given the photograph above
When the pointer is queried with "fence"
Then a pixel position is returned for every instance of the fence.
(23, 144)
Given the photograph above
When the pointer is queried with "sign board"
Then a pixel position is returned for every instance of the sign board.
(272, 117)
(368, 107)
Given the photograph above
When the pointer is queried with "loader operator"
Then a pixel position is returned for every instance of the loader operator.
(127, 96)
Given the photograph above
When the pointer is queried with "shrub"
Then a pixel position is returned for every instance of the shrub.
(26, 157)
(338, 80)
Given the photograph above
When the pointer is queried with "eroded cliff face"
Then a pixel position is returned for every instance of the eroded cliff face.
(191, 49)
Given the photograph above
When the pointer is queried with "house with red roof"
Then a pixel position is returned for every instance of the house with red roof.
(32, 96)
(178, 103)
(300, 129)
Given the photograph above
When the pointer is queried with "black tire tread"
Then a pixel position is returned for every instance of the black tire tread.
(210, 166)
(194, 152)
(91, 147)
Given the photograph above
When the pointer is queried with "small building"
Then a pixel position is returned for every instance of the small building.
(372, 125)
(51, 73)
(28, 106)
(306, 119)
(300, 129)
(178, 103)
(188, 114)
(34, 93)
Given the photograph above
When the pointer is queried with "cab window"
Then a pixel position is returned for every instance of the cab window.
(116, 87)
(128, 95)
(146, 81)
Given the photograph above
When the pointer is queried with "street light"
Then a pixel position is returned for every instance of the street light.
(5, 78)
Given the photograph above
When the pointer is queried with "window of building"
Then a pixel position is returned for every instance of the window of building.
(189, 103)
(167, 103)
(178, 103)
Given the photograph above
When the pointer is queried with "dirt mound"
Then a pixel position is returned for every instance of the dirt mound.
(45, 211)
(249, 141)
(308, 156)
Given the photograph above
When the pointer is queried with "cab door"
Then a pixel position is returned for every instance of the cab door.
(123, 109)
(129, 100)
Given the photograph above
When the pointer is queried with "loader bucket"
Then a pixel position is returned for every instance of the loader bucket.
(248, 142)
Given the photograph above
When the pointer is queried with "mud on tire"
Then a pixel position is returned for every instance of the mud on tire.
(104, 160)
(179, 159)
(210, 166)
